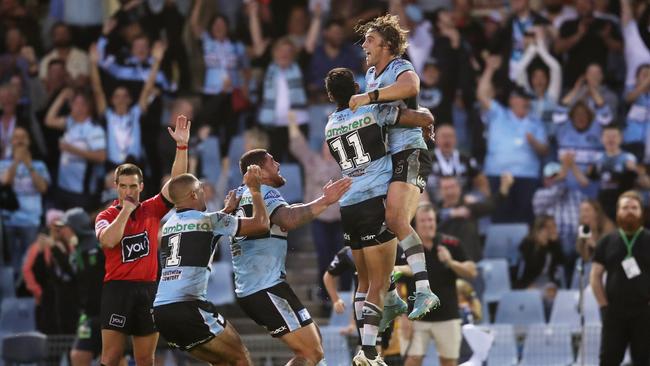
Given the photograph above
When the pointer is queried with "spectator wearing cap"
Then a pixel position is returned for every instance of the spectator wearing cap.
(563, 204)
(36, 269)
(586, 39)
(29, 179)
(636, 133)
(516, 143)
(87, 261)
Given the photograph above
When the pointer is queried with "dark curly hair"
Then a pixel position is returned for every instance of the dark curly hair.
(389, 29)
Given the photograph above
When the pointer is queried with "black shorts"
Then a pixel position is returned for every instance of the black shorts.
(127, 307)
(364, 223)
(277, 308)
(412, 166)
(187, 324)
(89, 335)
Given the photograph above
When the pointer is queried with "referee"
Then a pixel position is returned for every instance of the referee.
(625, 299)
(128, 233)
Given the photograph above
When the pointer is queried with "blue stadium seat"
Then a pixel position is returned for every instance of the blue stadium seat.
(504, 347)
(335, 346)
(17, 315)
(496, 278)
(208, 150)
(547, 345)
(502, 241)
(589, 349)
(520, 307)
(24, 348)
(342, 320)
(220, 286)
(7, 287)
(565, 309)
(292, 190)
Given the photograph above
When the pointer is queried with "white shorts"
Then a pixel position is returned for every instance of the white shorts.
(446, 335)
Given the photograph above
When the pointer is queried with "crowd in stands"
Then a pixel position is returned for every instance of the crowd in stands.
(542, 112)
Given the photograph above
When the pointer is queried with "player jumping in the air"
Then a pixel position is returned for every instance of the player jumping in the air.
(182, 313)
(357, 140)
(391, 78)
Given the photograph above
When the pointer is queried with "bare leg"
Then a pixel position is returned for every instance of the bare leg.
(112, 347)
(225, 349)
(305, 344)
(144, 349)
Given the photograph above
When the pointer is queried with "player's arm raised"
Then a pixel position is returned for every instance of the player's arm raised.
(291, 217)
(420, 117)
(259, 223)
(180, 134)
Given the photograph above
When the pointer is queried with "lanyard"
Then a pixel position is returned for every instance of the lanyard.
(629, 244)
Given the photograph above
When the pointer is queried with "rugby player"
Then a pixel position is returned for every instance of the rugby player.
(357, 140)
(259, 260)
(391, 78)
(128, 234)
(182, 313)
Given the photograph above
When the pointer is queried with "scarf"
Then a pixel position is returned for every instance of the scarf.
(297, 96)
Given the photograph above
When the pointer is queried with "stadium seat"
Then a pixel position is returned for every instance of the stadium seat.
(496, 278)
(7, 283)
(24, 348)
(565, 308)
(235, 151)
(520, 307)
(335, 346)
(575, 280)
(210, 155)
(547, 345)
(589, 348)
(342, 320)
(17, 315)
(220, 286)
(480, 341)
(504, 347)
(502, 241)
(292, 190)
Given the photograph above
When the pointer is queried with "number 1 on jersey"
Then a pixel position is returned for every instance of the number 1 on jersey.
(174, 259)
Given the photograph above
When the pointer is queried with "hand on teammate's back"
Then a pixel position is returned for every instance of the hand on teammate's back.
(358, 100)
(253, 178)
(332, 192)
(181, 133)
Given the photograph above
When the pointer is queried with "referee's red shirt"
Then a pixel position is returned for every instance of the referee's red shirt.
(136, 257)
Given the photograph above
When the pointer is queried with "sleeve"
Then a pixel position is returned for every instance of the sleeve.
(385, 114)
(224, 224)
(400, 66)
(494, 112)
(97, 139)
(601, 251)
(158, 205)
(102, 221)
(339, 264)
(273, 200)
(630, 157)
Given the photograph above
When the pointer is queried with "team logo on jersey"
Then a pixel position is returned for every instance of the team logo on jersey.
(272, 194)
(135, 247)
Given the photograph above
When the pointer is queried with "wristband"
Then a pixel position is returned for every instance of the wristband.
(181, 147)
(373, 95)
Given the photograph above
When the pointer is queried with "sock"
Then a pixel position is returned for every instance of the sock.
(392, 297)
(359, 300)
(412, 246)
(371, 316)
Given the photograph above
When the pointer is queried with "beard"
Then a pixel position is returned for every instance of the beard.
(278, 181)
(629, 223)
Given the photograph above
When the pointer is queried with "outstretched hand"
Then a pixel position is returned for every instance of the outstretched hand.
(231, 202)
(181, 134)
(332, 192)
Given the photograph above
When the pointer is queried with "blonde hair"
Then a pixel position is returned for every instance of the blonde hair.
(466, 291)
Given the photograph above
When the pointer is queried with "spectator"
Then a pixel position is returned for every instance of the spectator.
(555, 199)
(636, 133)
(446, 262)
(430, 95)
(448, 161)
(592, 215)
(459, 217)
(557, 12)
(226, 78)
(541, 255)
(615, 170)
(82, 147)
(470, 28)
(282, 93)
(10, 118)
(36, 273)
(635, 18)
(29, 179)
(624, 297)
(335, 51)
(516, 143)
(510, 41)
(586, 39)
(594, 81)
(12, 60)
(543, 80)
(122, 119)
(420, 40)
(318, 169)
(469, 305)
(76, 61)
(88, 265)
(85, 21)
